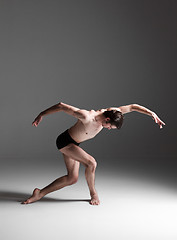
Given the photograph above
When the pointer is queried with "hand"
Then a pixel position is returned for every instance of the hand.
(37, 120)
(157, 120)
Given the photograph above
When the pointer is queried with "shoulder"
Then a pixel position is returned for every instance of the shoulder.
(83, 114)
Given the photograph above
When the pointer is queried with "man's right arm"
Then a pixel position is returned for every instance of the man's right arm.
(73, 111)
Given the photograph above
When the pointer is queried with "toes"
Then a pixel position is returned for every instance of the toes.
(26, 202)
(94, 202)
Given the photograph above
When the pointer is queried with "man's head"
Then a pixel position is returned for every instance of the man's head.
(113, 119)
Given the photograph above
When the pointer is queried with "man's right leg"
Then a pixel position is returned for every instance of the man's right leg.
(69, 179)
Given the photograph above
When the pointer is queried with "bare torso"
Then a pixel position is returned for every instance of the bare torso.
(87, 129)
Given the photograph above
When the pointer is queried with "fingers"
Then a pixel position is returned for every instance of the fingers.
(155, 120)
(162, 122)
(160, 125)
(34, 124)
(159, 122)
(37, 121)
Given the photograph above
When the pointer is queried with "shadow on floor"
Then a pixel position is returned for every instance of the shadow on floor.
(8, 196)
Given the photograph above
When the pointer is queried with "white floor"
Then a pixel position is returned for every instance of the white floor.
(130, 208)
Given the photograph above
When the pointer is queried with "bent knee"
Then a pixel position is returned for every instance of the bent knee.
(92, 163)
(72, 179)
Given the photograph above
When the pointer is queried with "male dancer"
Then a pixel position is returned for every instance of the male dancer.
(88, 125)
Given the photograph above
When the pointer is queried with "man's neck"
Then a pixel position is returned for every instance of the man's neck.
(99, 116)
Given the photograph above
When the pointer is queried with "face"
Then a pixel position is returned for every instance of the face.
(107, 125)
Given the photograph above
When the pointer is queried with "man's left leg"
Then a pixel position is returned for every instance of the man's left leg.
(77, 153)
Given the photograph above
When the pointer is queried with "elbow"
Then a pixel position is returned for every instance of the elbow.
(60, 103)
(60, 106)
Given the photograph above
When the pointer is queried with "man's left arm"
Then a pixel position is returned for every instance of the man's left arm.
(141, 109)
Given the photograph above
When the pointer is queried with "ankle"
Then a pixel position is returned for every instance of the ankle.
(42, 193)
(93, 193)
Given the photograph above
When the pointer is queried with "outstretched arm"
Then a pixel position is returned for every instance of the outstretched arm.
(75, 112)
(141, 109)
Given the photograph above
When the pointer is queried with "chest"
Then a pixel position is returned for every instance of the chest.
(91, 129)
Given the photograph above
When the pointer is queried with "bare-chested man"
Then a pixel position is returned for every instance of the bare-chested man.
(88, 125)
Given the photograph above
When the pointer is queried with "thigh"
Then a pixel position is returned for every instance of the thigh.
(71, 165)
(78, 154)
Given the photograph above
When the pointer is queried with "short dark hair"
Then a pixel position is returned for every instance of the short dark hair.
(116, 118)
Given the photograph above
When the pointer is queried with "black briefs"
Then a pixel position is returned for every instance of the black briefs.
(64, 139)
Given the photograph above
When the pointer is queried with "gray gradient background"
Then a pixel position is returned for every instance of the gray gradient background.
(90, 54)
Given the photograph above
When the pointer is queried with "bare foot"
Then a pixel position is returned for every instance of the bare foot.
(34, 197)
(94, 199)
